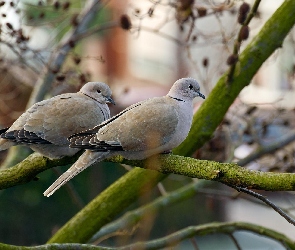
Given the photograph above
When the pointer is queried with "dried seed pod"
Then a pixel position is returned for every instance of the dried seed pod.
(264, 128)
(82, 78)
(244, 9)
(55, 70)
(205, 62)
(42, 15)
(286, 123)
(151, 12)
(9, 25)
(250, 110)
(77, 59)
(56, 5)
(232, 59)
(60, 78)
(244, 33)
(66, 5)
(185, 4)
(194, 38)
(251, 142)
(125, 22)
(72, 43)
(202, 11)
(226, 122)
(243, 12)
(74, 20)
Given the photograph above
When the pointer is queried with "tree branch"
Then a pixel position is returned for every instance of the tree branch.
(227, 173)
(29, 168)
(266, 201)
(173, 239)
(206, 229)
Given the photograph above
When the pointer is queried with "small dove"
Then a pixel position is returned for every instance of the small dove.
(46, 126)
(146, 128)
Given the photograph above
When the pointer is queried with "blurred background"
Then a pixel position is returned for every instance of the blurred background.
(140, 48)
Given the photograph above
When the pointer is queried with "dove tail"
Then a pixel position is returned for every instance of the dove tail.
(87, 159)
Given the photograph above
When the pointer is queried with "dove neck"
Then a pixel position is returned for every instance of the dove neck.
(177, 99)
(90, 97)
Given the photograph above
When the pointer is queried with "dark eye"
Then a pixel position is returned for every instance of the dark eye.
(190, 86)
(98, 91)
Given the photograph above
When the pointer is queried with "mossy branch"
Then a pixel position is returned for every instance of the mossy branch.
(29, 168)
(227, 173)
(173, 239)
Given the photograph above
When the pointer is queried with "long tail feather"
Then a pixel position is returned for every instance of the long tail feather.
(87, 159)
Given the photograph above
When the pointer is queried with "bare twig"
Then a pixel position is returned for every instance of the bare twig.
(266, 201)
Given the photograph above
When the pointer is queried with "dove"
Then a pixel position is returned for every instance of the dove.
(46, 125)
(149, 127)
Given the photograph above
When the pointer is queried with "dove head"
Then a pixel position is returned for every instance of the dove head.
(185, 88)
(98, 91)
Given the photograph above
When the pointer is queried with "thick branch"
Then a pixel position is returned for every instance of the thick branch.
(28, 169)
(228, 173)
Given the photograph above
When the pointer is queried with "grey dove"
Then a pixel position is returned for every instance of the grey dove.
(146, 128)
(46, 126)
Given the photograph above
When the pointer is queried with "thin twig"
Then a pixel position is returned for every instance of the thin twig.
(266, 201)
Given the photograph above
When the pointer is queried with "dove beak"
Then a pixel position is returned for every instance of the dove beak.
(201, 95)
(110, 100)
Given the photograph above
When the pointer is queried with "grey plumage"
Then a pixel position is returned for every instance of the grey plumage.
(146, 128)
(46, 126)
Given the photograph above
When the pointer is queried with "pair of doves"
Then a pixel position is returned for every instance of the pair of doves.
(67, 123)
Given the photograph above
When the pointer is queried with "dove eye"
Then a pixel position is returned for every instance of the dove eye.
(190, 86)
(98, 91)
